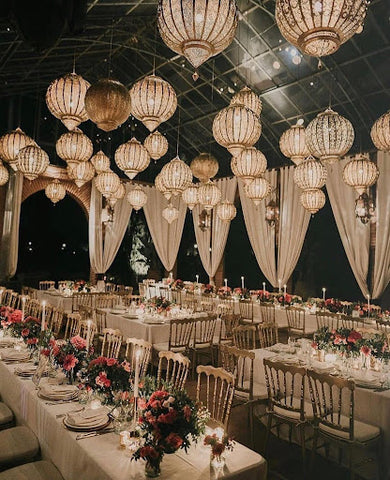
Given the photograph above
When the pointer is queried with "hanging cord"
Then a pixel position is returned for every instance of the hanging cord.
(155, 48)
(212, 97)
(178, 131)
(74, 61)
(110, 55)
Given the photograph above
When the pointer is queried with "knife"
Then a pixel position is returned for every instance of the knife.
(81, 436)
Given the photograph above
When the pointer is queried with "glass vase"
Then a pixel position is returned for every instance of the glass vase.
(153, 468)
(217, 461)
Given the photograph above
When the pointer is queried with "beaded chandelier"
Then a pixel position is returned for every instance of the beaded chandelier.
(209, 195)
(190, 196)
(310, 174)
(107, 183)
(137, 197)
(32, 161)
(249, 99)
(170, 213)
(159, 184)
(10, 145)
(204, 167)
(258, 189)
(81, 173)
(293, 144)
(117, 195)
(248, 164)
(380, 132)
(156, 145)
(176, 176)
(101, 162)
(226, 211)
(313, 199)
(360, 173)
(74, 147)
(55, 191)
(132, 157)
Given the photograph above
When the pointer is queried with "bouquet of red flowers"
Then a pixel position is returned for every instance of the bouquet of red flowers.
(71, 356)
(218, 445)
(241, 293)
(178, 285)
(208, 288)
(9, 316)
(224, 291)
(29, 329)
(161, 304)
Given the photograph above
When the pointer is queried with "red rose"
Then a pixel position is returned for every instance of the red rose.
(25, 332)
(354, 336)
(174, 441)
(111, 362)
(70, 361)
(168, 418)
(32, 341)
(78, 342)
(45, 352)
(218, 449)
(16, 316)
(102, 380)
(148, 453)
(365, 350)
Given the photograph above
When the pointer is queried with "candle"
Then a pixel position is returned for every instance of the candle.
(136, 375)
(284, 290)
(124, 438)
(280, 285)
(263, 286)
(323, 293)
(368, 304)
(23, 305)
(197, 278)
(219, 432)
(242, 283)
(225, 280)
(43, 326)
(89, 323)
(171, 275)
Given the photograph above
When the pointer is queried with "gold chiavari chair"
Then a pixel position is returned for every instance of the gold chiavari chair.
(13, 301)
(203, 339)
(383, 326)
(138, 346)
(106, 301)
(111, 344)
(180, 336)
(128, 300)
(84, 330)
(73, 324)
(176, 367)
(33, 308)
(244, 337)
(296, 321)
(110, 287)
(142, 289)
(190, 303)
(327, 319)
(7, 296)
(228, 323)
(268, 334)
(345, 321)
(267, 312)
(86, 312)
(176, 296)
(165, 292)
(101, 320)
(246, 311)
(55, 322)
(208, 305)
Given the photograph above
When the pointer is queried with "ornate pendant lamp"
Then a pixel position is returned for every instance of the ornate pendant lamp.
(153, 101)
(117, 195)
(176, 176)
(248, 164)
(380, 132)
(319, 27)
(81, 173)
(204, 167)
(107, 183)
(209, 195)
(364, 208)
(101, 162)
(74, 147)
(32, 161)
(132, 157)
(197, 29)
(226, 211)
(236, 127)
(293, 144)
(4, 175)
(107, 103)
(360, 173)
(313, 199)
(190, 196)
(310, 174)
(55, 191)
(137, 197)
(65, 99)
(170, 213)
(249, 99)
(10, 145)
(258, 189)
(272, 213)
(159, 184)
(156, 145)
(329, 136)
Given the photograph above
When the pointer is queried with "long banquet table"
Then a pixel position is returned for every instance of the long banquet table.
(100, 458)
(55, 299)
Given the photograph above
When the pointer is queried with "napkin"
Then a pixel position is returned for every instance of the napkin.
(12, 355)
(58, 392)
(6, 342)
(28, 369)
(88, 418)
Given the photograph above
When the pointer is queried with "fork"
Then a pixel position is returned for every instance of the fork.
(81, 436)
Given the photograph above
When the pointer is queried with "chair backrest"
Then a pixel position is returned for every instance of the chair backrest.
(73, 325)
(55, 321)
(229, 321)
(112, 342)
(217, 394)
(101, 320)
(142, 289)
(296, 319)
(7, 295)
(105, 301)
(176, 296)
(383, 326)
(165, 292)
(327, 319)
(13, 300)
(189, 303)
(110, 287)
(86, 312)
(204, 330)
(246, 309)
(176, 368)
(180, 333)
(267, 312)
(143, 348)
(208, 306)
(244, 337)
(333, 401)
(84, 330)
(345, 321)
(46, 284)
(240, 363)
(268, 334)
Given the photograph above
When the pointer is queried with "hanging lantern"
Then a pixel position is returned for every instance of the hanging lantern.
(310, 174)
(364, 208)
(329, 136)
(293, 144)
(226, 211)
(55, 191)
(81, 173)
(272, 213)
(4, 175)
(248, 164)
(197, 30)
(156, 145)
(176, 175)
(10, 145)
(319, 27)
(170, 213)
(249, 99)
(137, 197)
(190, 196)
(107, 103)
(236, 127)
(153, 101)
(380, 132)
(313, 199)
(101, 162)
(65, 99)
(258, 189)
(360, 173)
(159, 184)
(209, 195)
(32, 161)
(117, 195)
(107, 183)
(74, 147)
(132, 157)
(204, 167)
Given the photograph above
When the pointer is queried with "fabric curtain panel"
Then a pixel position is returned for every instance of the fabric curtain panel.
(211, 242)
(355, 236)
(166, 237)
(102, 251)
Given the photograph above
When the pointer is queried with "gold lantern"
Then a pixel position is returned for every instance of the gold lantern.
(101, 162)
(198, 29)
(81, 173)
(170, 213)
(209, 195)
(226, 211)
(190, 196)
(176, 176)
(107, 103)
(364, 208)
(117, 195)
(4, 175)
(380, 132)
(360, 173)
(74, 147)
(258, 189)
(153, 101)
(236, 127)
(319, 27)
(310, 174)
(32, 161)
(159, 184)
(107, 183)
(204, 167)
(293, 143)
(10, 145)
(249, 99)
(137, 197)
(55, 191)
(132, 157)
(313, 199)
(156, 145)
(272, 213)
(329, 136)
(248, 164)
(65, 99)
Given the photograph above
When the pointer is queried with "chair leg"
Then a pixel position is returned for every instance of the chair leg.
(303, 447)
(313, 450)
(269, 425)
(250, 415)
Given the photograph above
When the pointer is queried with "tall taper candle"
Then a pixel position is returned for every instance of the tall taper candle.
(368, 304)
(225, 282)
(43, 323)
(263, 286)
(197, 278)
(136, 373)
(284, 290)
(23, 307)
(280, 285)
(242, 283)
(323, 293)
(89, 323)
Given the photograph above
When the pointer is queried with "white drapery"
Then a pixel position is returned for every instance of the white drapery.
(10, 238)
(211, 242)
(102, 251)
(166, 237)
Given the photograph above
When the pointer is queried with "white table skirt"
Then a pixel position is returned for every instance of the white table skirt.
(55, 299)
(99, 458)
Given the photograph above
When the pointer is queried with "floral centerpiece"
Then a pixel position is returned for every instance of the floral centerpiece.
(263, 296)
(177, 285)
(224, 291)
(71, 356)
(241, 293)
(288, 299)
(218, 447)
(208, 289)
(29, 329)
(82, 286)
(9, 315)
(161, 304)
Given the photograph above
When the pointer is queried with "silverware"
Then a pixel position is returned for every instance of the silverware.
(60, 402)
(81, 436)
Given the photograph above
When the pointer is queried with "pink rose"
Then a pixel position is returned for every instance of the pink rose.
(70, 361)
(111, 362)
(78, 342)
(102, 380)
(25, 332)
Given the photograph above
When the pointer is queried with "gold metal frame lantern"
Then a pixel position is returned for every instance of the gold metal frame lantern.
(190, 196)
(360, 173)
(107, 183)
(313, 200)
(249, 99)
(101, 162)
(32, 161)
(258, 189)
(132, 157)
(81, 173)
(170, 213)
(249, 164)
(380, 132)
(293, 145)
(156, 144)
(117, 195)
(74, 147)
(159, 184)
(137, 197)
(209, 195)
(176, 176)
(310, 174)
(10, 145)
(55, 191)
(204, 167)
(226, 211)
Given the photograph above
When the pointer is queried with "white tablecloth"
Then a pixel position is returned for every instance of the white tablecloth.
(55, 299)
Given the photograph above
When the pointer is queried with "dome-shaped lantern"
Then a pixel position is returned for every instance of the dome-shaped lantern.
(81, 173)
(204, 167)
(107, 183)
(65, 99)
(190, 196)
(107, 103)
(313, 199)
(101, 162)
(317, 27)
(10, 145)
(226, 211)
(329, 136)
(153, 101)
(32, 161)
(236, 127)
(170, 213)
(380, 132)
(198, 29)
(249, 99)
(137, 197)
(159, 184)
(360, 173)
(156, 145)
(132, 157)
(209, 195)
(176, 176)
(310, 174)
(74, 147)
(293, 144)
(258, 189)
(117, 195)
(248, 164)
(4, 175)
(55, 191)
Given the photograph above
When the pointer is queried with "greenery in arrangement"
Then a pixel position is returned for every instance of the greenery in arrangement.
(71, 356)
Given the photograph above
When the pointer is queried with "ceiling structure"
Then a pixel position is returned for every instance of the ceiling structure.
(119, 38)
